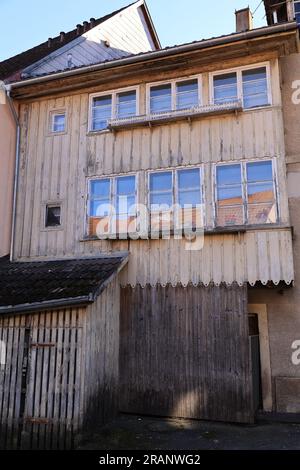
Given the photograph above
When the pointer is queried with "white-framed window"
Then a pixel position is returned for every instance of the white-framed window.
(297, 10)
(251, 85)
(112, 202)
(173, 95)
(175, 198)
(112, 105)
(58, 122)
(246, 193)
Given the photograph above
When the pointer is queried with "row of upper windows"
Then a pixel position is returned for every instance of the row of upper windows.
(250, 86)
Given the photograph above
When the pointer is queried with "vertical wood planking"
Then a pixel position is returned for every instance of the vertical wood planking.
(197, 364)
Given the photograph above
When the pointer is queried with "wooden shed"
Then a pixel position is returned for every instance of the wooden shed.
(59, 337)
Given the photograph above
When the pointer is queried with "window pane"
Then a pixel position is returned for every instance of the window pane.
(297, 11)
(160, 98)
(125, 205)
(53, 216)
(161, 181)
(158, 199)
(189, 178)
(187, 94)
(262, 213)
(189, 191)
(230, 216)
(230, 210)
(189, 197)
(126, 185)
(100, 188)
(225, 88)
(228, 174)
(99, 208)
(230, 196)
(255, 87)
(59, 123)
(126, 210)
(260, 192)
(259, 171)
(102, 112)
(126, 104)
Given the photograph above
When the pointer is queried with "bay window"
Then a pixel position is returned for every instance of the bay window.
(246, 193)
(249, 85)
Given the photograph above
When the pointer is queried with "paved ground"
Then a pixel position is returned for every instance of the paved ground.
(134, 432)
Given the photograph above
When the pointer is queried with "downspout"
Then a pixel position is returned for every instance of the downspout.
(16, 172)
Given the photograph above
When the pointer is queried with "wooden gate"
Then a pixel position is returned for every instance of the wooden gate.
(39, 382)
(185, 352)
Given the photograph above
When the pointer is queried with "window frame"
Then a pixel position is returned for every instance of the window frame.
(112, 197)
(174, 171)
(239, 71)
(45, 206)
(173, 83)
(294, 9)
(113, 94)
(57, 112)
(244, 183)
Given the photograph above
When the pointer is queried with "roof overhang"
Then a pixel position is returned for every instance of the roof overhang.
(282, 38)
(90, 295)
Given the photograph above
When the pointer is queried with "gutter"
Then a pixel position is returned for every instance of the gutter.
(204, 44)
(16, 172)
(48, 305)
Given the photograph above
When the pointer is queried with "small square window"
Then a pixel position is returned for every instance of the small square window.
(53, 216)
(58, 122)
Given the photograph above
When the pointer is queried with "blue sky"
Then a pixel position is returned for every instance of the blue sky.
(26, 23)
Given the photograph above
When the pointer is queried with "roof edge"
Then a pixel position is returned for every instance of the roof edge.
(198, 45)
(82, 301)
(48, 305)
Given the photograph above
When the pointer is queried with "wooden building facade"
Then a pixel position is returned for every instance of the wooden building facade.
(184, 308)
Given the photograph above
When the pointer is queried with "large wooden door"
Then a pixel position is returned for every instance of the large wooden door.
(185, 352)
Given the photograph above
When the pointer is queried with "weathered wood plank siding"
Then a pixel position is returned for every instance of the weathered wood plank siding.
(60, 374)
(100, 365)
(185, 352)
(40, 381)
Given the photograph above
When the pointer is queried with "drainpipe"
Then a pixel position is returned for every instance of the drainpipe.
(16, 173)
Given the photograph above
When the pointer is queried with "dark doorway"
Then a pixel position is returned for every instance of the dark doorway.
(255, 361)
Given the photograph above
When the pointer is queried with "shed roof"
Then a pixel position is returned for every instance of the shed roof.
(27, 286)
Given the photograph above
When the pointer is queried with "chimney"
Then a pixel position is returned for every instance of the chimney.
(62, 35)
(50, 42)
(92, 21)
(78, 29)
(244, 20)
(85, 26)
